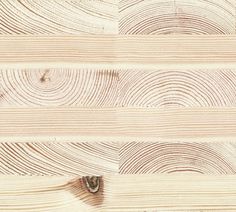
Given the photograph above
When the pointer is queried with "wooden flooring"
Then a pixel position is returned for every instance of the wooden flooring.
(117, 105)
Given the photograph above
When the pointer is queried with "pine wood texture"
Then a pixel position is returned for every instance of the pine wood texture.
(119, 193)
(117, 105)
(38, 17)
(177, 17)
(118, 51)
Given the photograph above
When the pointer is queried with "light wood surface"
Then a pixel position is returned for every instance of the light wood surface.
(118, 51)
(119, 193)
(117, 105)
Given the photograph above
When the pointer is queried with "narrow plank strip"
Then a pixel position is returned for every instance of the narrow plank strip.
(58, 87)
(67, 158)
(128, 123)
(54, 158)
(109, 88)
(64, 121)
(57, 49)
(178, 157)
(118, 51)
(178, 122)
(118, 87)
(177, 17)
(119, 193)
(178, 88)
(58, 17)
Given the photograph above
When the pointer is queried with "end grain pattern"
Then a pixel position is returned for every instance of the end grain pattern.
(177, 17)
(58, 158)
(58, 87)
(162, 88)
(58, 17)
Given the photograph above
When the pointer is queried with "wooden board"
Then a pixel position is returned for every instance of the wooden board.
(117, 105)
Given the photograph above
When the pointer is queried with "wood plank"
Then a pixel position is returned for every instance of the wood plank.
(58, 158)
(100, 88)
(119, 123)
(177, 17)
(56, 121)
(119, 193)
(58, 17)
(177, 88)
(58, 87)
(118, 87)
(121, 51)
(66, 158)
(178, 123)
(178, 157)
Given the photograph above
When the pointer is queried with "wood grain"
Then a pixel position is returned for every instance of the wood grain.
(133, 51)
(178, 88)
(52, 121)
(58, 87)
(117, 106)
(119, 193)
(120, 123)
(178, 157)
(177, 17)
(38, 17)
(118, 88)
(58, 158)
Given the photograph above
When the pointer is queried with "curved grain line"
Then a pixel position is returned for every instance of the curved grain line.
(185, 88)
(177, 17)
(203, 158)
(58, 158)
(53, 87)
(57, 17)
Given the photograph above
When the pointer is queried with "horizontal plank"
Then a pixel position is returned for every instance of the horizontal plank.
(162, 88)
(129, 123)
(177, 88)
(177, 17)
(121, 51)
(52, 121)
(58, 87)
(58, 17)
(72, 49)
(178, 157)
(178, 122)
(58, 158)
(119, 193)
(66, 158)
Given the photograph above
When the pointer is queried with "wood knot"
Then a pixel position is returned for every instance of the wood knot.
(92, 183)
(44, 77)
(88, 189)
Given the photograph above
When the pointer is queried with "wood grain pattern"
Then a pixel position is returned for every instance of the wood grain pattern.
(38, 17)
(117, 106)
(178, 88)
(58, 87)
(177, 17)
(133, 51)
(52, 121)
(119, 123)
(120, 193)
(118, 88)
(178, 157)
(58, 158)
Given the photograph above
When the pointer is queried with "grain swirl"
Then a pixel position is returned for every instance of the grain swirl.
(176, 17)
(58, 87)
(27, 17)
(167, 157)
(178, 88)
(54, 158)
